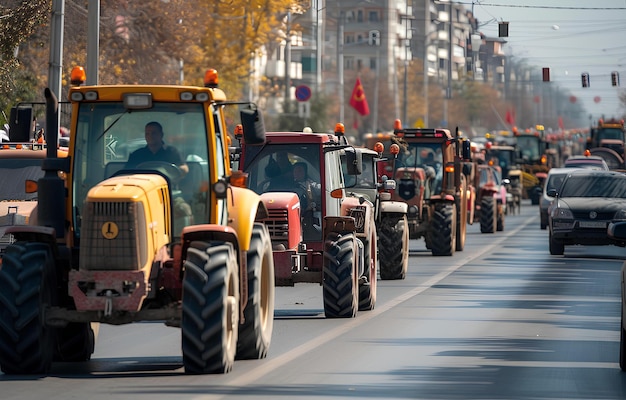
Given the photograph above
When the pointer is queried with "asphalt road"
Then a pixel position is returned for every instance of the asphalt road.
(500, 320)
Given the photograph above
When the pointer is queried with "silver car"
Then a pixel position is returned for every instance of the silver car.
(553, 181)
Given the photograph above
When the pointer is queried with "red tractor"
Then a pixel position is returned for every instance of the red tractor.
(428, 173)
(318, 233)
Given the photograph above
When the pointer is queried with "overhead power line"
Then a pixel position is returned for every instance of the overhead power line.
(541, 6)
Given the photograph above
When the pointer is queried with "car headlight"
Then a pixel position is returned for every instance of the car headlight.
(562, 213)
(621, 214)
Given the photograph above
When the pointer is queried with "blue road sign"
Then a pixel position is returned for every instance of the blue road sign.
(303, 93)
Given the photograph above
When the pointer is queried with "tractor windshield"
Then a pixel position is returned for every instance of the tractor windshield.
(107, 133)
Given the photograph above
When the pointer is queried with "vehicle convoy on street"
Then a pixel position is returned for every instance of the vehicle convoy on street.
(606, 140)
(116, 244)
(391, 221)
(321, 235)
(429, 178)
(584, 205)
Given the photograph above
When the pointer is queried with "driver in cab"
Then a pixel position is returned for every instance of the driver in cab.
(156, 150)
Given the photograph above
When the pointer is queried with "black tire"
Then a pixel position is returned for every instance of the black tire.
(367, 290)
(75, 342)
(488, 215)
(557, 248)
(461, 220)
(255, 334)
(500, 222)
(622, 342)
(339, 284)
(210, 316)
(393, 236)
(27, 288)
(443, 230)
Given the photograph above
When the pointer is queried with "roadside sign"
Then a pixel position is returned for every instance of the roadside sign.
(303, 93)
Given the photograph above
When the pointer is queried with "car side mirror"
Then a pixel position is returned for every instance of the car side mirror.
(552, 192)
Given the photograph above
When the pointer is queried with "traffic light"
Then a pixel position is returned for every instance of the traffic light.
(585, 79)
(615, 78)
(546, 74)
(374, 38)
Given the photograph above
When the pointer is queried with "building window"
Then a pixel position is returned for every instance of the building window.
(373, 66)
(348, 63)
(373, 16)
(359, 16)
(349, 39)
(359, 65)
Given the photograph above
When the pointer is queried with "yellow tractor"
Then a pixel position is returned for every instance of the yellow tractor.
(118, 243)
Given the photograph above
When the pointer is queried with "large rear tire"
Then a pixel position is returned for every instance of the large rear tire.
(367, 290)
(27, 288)
(488, 215)
(394, 247)
(255, 334)
(443, 230)
(340, 290)
(210, 318)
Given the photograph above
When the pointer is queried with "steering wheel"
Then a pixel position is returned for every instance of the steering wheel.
(172, 171)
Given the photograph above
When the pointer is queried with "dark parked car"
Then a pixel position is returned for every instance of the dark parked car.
(586, 203)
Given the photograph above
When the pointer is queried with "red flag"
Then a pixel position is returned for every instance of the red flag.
(358, 100)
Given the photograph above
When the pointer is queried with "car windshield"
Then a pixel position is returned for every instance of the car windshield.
(611, 186)
(555, 181)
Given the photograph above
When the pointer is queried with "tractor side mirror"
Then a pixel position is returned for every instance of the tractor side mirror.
(354, 162)
(253, 127)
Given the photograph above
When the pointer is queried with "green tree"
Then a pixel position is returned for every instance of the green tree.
(18, 21)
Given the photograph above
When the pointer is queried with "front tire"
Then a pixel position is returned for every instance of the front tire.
(557, 248)
(75, 342)
(210, 317)
(255, 334)
(367, 290)
(27, 288)
(340, 290)
(394, 247)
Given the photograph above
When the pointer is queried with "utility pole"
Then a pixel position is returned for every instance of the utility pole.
(93, 41)
(340, 65)
(288, 59)
(56, 47)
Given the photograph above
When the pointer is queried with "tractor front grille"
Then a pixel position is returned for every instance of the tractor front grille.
(359, 218)
(278, 225)
(113, 236)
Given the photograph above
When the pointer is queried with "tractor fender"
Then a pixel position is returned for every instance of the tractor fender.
(393, 207)
(32, 233)
(244, 209)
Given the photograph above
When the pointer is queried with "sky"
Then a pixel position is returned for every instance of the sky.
(569, 37)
